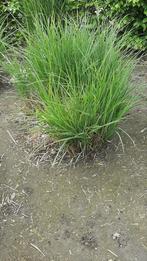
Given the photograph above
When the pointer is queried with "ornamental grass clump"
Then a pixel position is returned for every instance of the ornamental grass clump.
(79, 79)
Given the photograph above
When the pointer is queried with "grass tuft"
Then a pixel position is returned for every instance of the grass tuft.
(80, 79)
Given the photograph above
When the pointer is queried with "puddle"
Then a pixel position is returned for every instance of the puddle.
(93, 212)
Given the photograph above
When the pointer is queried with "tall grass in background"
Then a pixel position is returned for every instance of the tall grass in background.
(44, 9)
(3, 38)
(79, 78)
(4, 45)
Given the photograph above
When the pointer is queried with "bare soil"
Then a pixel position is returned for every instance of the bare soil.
(92, 212)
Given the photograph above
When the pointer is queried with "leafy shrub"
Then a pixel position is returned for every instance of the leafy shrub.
(81, 6)
(132, 12)
(10, 11)
(134, 16)
(80, 80)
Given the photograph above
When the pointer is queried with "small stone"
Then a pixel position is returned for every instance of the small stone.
(116, 236)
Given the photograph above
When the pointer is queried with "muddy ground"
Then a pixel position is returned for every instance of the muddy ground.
(93, 212)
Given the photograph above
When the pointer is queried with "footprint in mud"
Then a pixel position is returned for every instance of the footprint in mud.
(89, 240)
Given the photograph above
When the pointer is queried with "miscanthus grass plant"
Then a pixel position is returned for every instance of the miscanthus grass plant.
(79, 79)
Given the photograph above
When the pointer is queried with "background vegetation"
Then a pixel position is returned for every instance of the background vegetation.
(10, 12)
(133, 14)
(2, 39)
(134, 17)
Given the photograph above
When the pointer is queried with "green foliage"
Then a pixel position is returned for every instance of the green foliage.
(11, 14)
(2, 44)
(10, 7)
(133, 14)
(3, 39)
(44, 9)
(79, 78)
(134, 17)
(81, 6)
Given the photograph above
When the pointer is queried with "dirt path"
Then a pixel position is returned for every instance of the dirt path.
(96, 212)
